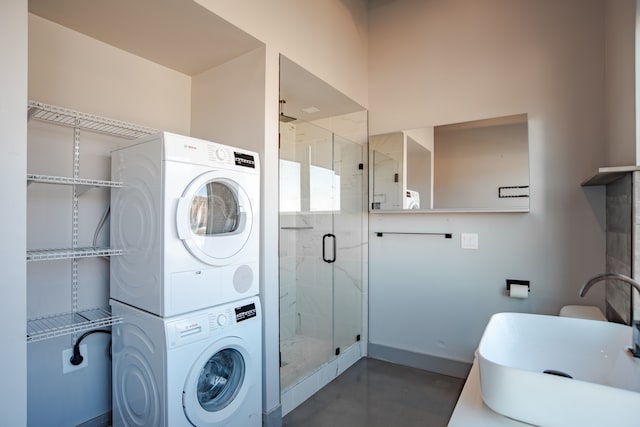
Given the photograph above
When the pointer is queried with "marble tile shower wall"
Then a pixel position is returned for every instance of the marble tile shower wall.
(619, 230)
(287, 255)
(305, 279)
(310, 288)
(288, 240)
(314, 293)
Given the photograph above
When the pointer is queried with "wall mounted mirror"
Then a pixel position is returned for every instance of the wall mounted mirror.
(480, 165)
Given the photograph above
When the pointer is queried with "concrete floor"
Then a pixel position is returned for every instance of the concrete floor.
(376, 393)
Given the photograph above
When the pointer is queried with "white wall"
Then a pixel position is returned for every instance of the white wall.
(620, 18)
(72, 70)
(447, 61)
(227, 102)
(13, 162)
(329, 39)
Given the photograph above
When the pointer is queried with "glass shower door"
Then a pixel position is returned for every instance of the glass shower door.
(306, 285)
(347, 227)
(321, 215)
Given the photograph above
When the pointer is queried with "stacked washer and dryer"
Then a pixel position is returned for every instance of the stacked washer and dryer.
(188, 351)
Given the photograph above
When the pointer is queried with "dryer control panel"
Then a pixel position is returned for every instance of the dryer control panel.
(179, 148)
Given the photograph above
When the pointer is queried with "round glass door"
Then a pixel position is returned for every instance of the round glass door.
(214, 210)
(214, 218)
(220, 380)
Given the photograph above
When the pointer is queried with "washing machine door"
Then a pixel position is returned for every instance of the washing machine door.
(219, 383)
(214, 218)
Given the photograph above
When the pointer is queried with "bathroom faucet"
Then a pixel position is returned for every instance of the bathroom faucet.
(635, 325)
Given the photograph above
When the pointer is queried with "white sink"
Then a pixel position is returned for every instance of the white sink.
(516, 348)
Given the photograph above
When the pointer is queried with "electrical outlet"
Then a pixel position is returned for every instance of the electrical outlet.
(66, 357)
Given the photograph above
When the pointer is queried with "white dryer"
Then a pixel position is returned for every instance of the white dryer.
(411, 199)
(198, 369)
(187, 218)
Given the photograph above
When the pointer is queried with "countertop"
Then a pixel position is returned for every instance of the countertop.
(470, 411)
(607, 175)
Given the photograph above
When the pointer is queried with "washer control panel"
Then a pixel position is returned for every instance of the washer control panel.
(187, 330)
(245, 312)
(218, 320)
(202, 325)
(221, 320)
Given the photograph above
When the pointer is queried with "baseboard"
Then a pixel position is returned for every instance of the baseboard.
(272, 418)
(453, 368)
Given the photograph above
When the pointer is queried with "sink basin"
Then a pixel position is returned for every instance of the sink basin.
(604, 388)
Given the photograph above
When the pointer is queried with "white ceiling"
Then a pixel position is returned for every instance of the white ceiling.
(179, 34)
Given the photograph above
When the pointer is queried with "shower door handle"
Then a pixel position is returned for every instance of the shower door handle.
(324, 246)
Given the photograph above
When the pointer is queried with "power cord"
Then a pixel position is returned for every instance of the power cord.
(77, 358)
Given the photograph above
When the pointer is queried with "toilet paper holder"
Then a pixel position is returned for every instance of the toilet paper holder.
(517, 282)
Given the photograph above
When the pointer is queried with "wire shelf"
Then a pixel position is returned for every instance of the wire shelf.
(76, 321)
(70, 253)
(43, 328)
(48, 179)
(76, 119)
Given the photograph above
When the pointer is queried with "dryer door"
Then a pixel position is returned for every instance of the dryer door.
(219, 384)
(214, 218)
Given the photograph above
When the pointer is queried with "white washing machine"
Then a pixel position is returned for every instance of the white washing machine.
(198, 369)
(187, 218)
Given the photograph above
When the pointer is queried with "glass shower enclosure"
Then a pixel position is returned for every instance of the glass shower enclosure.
(321, 223)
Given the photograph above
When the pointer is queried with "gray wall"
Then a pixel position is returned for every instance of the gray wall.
(13, 152)
(471, 60)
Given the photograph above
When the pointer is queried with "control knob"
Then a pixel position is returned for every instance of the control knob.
(221, 319)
